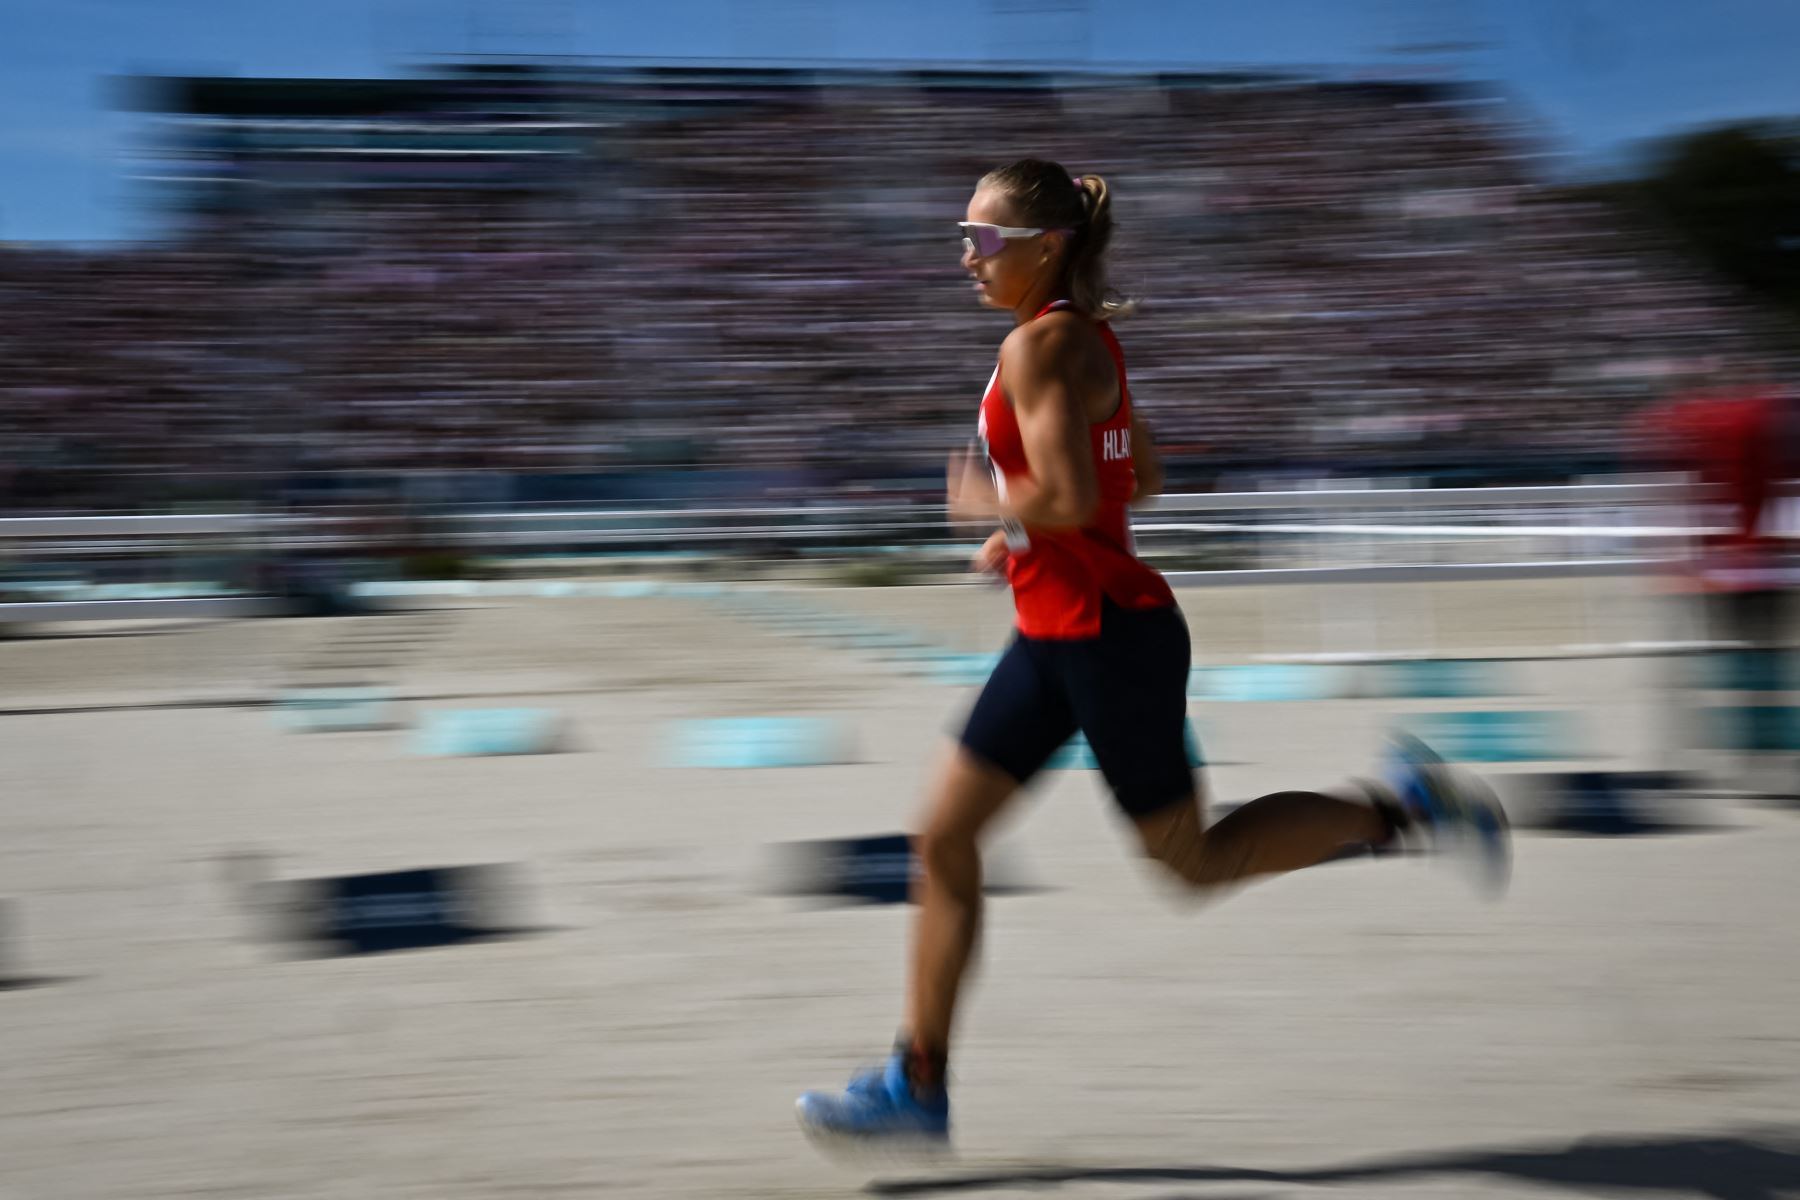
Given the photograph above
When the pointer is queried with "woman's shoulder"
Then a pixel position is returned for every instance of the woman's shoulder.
(1064, 331)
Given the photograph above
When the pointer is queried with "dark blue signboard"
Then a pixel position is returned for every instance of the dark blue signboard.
(390, 910)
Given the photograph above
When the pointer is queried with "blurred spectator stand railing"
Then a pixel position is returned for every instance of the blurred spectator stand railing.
(1340, 535)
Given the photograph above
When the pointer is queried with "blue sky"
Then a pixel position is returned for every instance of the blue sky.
(1595, 75)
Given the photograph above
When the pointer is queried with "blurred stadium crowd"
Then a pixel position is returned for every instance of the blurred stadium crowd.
(1337, 278)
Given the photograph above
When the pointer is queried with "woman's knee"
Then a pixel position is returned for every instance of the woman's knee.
(1177, 842)
(946, 849)
(969, 795)
(1187, 864)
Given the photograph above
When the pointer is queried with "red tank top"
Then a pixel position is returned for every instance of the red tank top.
(1059, 576)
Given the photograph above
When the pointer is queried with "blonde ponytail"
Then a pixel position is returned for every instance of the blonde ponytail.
(1086, 269)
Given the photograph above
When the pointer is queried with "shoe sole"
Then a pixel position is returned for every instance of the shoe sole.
(884, 1149)
(1483, 845)
(1484, 858)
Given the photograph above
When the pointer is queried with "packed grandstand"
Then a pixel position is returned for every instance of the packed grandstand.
(747, 284)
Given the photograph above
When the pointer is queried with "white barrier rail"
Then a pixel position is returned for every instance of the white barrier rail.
(1494, 499)
(597, 526)
(1321, 535)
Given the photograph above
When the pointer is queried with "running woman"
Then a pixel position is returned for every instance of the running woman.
(1100, 645)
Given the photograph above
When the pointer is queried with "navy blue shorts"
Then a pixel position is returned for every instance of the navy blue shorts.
(1126, 690)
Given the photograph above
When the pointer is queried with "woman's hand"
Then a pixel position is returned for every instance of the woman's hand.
(969, 488)
(991, 558)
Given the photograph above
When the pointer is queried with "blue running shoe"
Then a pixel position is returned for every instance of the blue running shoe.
(1453, 813)
(877, 1109)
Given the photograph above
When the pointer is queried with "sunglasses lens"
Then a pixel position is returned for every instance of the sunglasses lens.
(983, 241)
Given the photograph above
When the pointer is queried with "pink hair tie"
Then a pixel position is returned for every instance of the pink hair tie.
(1076, 180)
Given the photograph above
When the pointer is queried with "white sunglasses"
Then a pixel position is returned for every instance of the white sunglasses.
(985, 241)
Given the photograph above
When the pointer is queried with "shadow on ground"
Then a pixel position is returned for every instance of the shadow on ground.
(1760, 1165)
